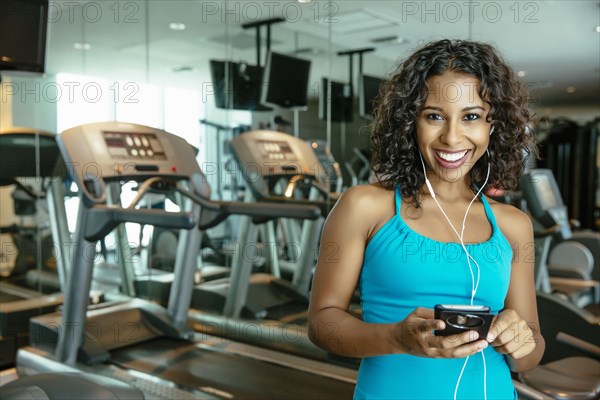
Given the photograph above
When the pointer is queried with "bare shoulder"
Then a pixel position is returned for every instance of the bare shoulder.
(364, 206)
(514, 223)
(369, 193)
(370, 200)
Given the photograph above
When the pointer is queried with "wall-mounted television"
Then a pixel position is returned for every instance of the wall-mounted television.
(341, 101)
(237, 85)
(285, 82)
(23, 25)
(369, 90)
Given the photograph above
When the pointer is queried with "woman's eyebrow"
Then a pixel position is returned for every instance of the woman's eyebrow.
(464, 109)
(473, 108)
(433, 108)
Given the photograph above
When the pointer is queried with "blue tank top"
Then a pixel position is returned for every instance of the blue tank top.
(403, 270)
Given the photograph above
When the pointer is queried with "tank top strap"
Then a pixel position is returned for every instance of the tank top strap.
(398, 200)
(488, 211)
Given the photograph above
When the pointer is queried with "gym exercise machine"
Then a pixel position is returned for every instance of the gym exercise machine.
(139, 342)
(571, 264)
(274, 166)
(569, 368)
(28, 153)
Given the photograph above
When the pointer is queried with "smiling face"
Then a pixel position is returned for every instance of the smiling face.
(452, 131)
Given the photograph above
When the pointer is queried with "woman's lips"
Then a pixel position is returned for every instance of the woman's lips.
(450, 159)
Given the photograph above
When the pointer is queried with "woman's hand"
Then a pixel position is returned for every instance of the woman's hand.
(414, 335)
(510, 335)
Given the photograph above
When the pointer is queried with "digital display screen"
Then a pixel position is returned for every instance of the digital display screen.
(286, 81)
(23, 26)
(342, 101)
(276, 150)
(237, 86)
(370, 90)
(545, 192)
(130, 145)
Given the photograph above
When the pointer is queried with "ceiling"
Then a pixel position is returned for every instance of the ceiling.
(555, 42)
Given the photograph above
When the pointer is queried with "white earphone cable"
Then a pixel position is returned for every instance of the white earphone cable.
(474, 286)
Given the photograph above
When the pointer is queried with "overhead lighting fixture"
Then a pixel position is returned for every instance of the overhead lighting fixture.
(177, 26)
(571, 89)
(389, 40)
(598, 29)
(521, 74)
(183, 68)
(308, 50)
(82, 46)
(304, 1)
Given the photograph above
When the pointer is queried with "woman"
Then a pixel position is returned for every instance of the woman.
(452, 119)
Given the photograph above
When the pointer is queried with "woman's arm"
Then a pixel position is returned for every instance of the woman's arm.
(516, 330)
(331, 327)
(342, 247)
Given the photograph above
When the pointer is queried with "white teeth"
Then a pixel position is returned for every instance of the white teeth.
(451, 156)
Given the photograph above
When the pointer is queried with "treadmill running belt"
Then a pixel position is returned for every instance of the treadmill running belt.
(214, 371)
(7, 297)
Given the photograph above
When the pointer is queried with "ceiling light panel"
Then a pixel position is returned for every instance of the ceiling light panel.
(358, 21)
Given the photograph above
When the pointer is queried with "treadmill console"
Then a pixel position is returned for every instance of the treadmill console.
(114, 151)
(276, 150)
(265, 156)
(124, 145)
(544, 200)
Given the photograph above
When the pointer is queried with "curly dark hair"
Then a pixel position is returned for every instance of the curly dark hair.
(395, 157)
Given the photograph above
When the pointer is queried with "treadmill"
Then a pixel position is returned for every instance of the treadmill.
(25, 153)
(274, 166)
(574, 277)
(139, 342)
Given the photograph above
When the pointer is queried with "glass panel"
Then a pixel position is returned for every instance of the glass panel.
(141, 106)
(83, 99)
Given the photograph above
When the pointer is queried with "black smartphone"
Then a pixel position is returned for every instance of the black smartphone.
(461, 318)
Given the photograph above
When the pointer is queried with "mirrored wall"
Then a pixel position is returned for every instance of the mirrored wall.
(163, 63)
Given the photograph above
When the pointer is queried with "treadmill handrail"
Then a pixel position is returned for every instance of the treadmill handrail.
(225, 208)
(547, 231)
(585, 346)
(258, 209)
(106, 218)
(324, 206)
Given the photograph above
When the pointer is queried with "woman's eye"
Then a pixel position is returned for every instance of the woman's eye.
(434, 117)
(471, 117)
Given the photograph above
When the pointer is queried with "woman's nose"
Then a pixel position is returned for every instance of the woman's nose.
(451, 134)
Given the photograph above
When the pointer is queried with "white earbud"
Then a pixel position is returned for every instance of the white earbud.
(491, 130)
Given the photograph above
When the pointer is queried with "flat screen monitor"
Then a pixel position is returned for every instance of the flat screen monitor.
(241, 89)
(369, 91)
(285, 82)
(23, 25)
(341, 101)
